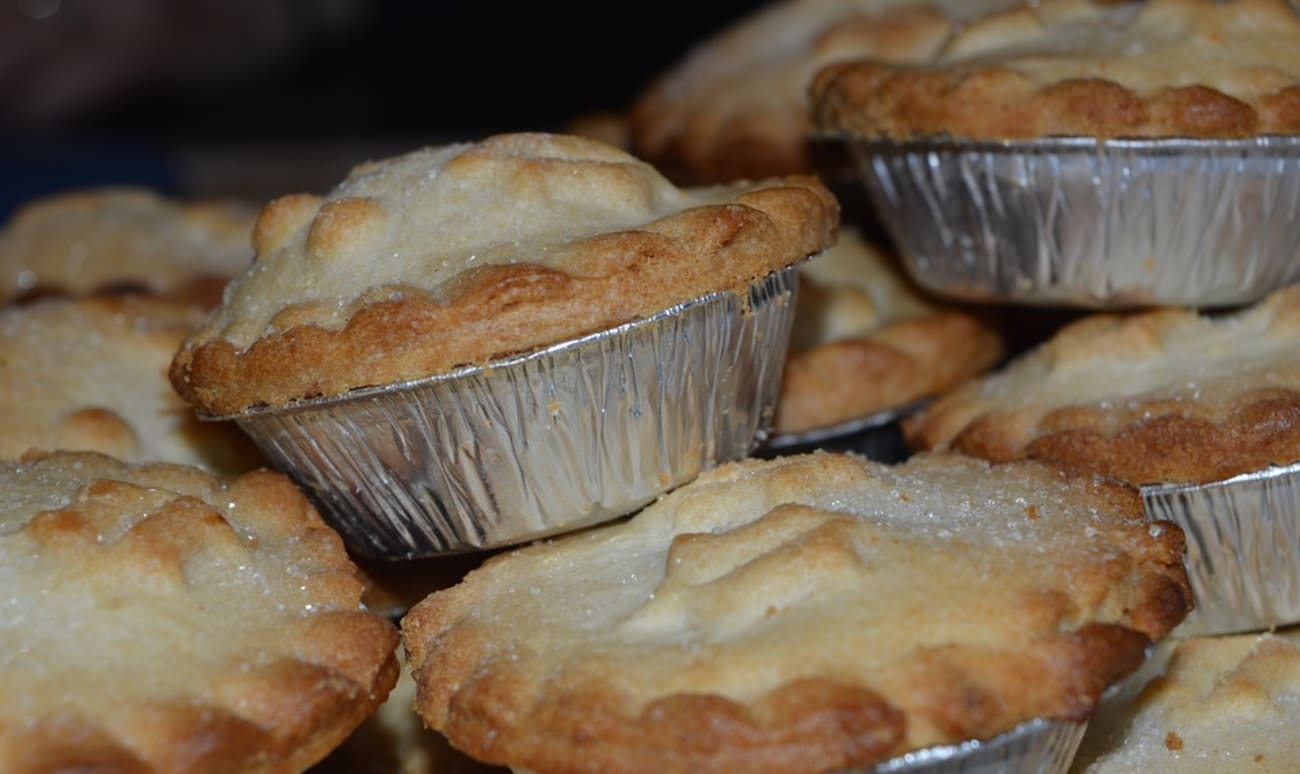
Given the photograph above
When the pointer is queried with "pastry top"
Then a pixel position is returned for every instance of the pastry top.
(81, 242)
(1223, 704)
(737, 106)
(1166, 396)
(810, 613)
(452, 256)
(91, 374)
(866, 340)
(156, 618)
(1148, 68)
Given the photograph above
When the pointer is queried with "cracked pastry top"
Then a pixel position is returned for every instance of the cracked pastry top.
(452, 256)
(1166, 396)
(90, 374)
(812, 613)
(1146, 68)
(108, 238)
(737, 106)
(866, 340)
(156, 618)
(1222, 704)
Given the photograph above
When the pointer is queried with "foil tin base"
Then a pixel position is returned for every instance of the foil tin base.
(1243, 548)
(542, 443)
(877, 436)
(1035, 747)
(1092, 223)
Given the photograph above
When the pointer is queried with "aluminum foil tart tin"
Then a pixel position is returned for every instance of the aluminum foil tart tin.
(877, 436)
(545, 442)
(1243, 548)
(1092, 223)
(1035, 747)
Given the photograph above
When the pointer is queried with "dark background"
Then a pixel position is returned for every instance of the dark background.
(210, 98)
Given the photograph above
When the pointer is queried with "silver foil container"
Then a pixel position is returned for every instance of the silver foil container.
(1035, 747)
(877, 436)
(1243, 548)
(546, 442)
(1092, 223)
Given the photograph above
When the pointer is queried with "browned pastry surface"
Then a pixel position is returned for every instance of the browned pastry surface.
(86, 241)
(1222, 704)
(156, 618)
(90, 374)
(865, 340)
(1162, 396)
(737, 106)
(806, 614)
(1152, 68)
(452, 256)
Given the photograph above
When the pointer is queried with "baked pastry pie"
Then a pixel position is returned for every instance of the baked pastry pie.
(111, 238)
(811, 613)
(737, 106)
(91, 374)
(1154, 397)
(866, 340)
(1152, 68)
(1223, 704)
(452, 256)
(156, 618)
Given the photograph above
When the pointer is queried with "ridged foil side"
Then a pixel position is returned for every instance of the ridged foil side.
(1091, 223)
(877, 436)
(547, 442)
(1035, 747)
(1243, 548)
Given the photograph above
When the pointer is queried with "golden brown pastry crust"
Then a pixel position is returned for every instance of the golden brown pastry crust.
(561, 276)
(160, 619)
(1159, 68)
(112, 238)
(866, 340)
(737, 106)
(90, 374)
(728, 627)
(1163, 396)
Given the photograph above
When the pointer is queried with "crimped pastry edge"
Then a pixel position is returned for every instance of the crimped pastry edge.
(501, 310)
(868, 100)
(972, 96)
